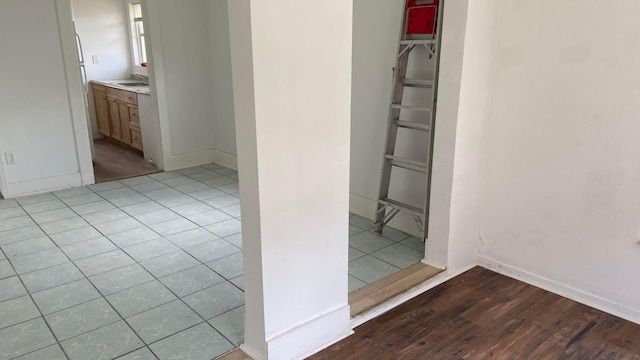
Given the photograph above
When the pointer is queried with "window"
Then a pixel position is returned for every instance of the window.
(137, 34)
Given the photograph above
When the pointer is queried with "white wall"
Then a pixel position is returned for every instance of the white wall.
(187, 71)
(561, 195)
(224, 125)
(150, 130)
(190, 50)
(102, 26)
(41, 118)
(292, 131)
(468, 128)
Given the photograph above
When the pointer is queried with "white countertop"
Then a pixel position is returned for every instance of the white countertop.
(120, 84)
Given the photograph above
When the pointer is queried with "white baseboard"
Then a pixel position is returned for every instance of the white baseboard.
(186, 160)
(251, 353)
(564, 290)
(408, 295)
(39, 186)
(225, 159)
(197, 158)
(88, 177)
(311, 337)
(440, 266)
(365, 207)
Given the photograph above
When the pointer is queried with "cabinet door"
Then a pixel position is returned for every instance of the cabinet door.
(102, 114)
(114, 117)
(124, 123)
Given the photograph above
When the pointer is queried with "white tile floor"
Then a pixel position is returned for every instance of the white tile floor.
(373, 257)
(143, 268)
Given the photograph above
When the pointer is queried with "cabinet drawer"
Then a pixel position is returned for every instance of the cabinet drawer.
(122, 95)
(136, 139)
(134, 116)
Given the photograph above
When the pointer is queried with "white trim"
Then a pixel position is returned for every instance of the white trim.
(42, 185)
(225, 159)
(75, 92)
(157, 80)
(316, 335)
(564, 290)
(150, 129)
(408, 295)
(190, 159)
(255, 355)
(321, 347)
(3, 184)
(440, 266)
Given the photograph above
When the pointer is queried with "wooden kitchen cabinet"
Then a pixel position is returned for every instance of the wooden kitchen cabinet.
(117, 115)
(124, 123)
(102, 109)
(114, 119)
(136, 139)
(134, 127)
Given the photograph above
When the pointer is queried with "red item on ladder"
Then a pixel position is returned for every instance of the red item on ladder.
(421, 16)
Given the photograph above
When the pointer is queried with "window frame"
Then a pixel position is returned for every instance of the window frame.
(138, 39)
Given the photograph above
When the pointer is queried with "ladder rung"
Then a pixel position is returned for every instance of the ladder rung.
(418, 42)
(409, 107)
(412, 125)
(408, 164)
(401, 206)
(417, 83)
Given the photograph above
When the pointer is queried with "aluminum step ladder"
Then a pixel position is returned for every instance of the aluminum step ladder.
(389, 208)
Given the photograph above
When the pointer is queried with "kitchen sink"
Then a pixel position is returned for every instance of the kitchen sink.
(133, 84)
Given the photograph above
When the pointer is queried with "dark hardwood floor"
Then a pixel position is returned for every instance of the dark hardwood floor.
(484, 315)
(115, 162)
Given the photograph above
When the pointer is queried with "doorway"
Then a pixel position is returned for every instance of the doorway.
(112, 55)
(395, 138)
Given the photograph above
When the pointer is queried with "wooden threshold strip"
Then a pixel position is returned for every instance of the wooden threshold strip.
(236, 354)
(372, 295)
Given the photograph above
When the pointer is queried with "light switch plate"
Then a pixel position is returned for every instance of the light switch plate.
(95, 59)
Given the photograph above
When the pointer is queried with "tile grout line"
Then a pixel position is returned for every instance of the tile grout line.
(98, 292)
(225, 279)
(39, 311)
(155, 279)
(80, 270)
(205, 321)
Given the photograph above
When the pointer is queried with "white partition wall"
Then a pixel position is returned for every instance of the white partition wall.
(43, 132)
(292, 89)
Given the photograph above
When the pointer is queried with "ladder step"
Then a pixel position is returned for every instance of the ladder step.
(402, 206)
(427, 84)
(418, 42)
(411, 125)
(409, 107)
(408, 164)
